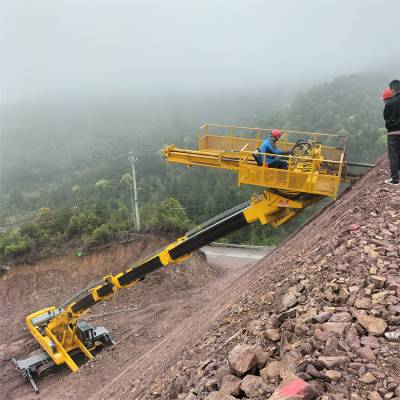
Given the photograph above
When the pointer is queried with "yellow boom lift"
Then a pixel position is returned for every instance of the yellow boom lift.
(316, 167)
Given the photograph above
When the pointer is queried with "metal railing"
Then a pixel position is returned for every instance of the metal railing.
(323, 173)
(239, 138)
(316, 179)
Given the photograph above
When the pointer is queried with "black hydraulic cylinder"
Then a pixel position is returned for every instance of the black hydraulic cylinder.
(84, 303)
(140, 271)
(209, 234)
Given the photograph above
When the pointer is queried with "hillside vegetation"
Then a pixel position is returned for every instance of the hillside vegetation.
(75, 184)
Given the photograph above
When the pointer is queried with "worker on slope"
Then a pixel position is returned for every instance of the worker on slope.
(391, 114)
(269, 146)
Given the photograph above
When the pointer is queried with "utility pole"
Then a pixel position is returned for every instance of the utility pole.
(132, 159)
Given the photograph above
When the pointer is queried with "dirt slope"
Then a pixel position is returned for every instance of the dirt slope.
(325, 307)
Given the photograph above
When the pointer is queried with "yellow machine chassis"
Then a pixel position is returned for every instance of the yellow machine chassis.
(58, 346)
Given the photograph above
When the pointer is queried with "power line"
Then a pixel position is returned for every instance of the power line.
(48, 173)
(79, 162)
(85, 160)
(184, 207)
(70, 168)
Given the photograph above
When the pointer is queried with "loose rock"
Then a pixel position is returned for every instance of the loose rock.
(231, 385)
(368, 378)
(252, 386)
(242, 359)
(374, 326)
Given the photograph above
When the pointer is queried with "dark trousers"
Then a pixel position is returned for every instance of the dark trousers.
(278, 163)
(394, 156)
(275, 163)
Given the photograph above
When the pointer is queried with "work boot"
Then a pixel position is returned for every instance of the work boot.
(392, 182)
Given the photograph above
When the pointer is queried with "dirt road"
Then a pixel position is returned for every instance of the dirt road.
(236, 256)
(149, 322)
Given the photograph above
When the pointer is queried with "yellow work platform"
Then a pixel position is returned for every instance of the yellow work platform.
(315, 166)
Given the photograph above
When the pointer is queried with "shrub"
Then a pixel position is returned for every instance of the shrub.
(76, 225)
(13, 243)
(32, 230)
(81, 223)
(101, 235)
(119, 217)
(170, 216)
(59, 220)
(16, 249)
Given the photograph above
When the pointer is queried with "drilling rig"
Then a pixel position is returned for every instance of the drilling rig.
(316, 166)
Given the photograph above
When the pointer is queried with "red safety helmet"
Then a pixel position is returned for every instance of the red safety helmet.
(276, 133)
(387, 94)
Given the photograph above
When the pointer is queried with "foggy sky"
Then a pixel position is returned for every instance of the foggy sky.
(54, 48)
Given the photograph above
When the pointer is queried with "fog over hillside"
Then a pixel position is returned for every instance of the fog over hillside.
(93, 48)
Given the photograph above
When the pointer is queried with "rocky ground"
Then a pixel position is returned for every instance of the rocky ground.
(321, 319)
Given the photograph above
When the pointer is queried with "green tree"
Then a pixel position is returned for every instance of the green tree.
(100, 236)
(170, 216)
(13, 243)
(102, 185)
(127, 181)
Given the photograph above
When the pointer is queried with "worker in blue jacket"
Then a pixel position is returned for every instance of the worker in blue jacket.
(269, 146)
